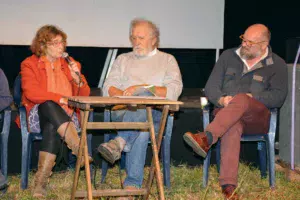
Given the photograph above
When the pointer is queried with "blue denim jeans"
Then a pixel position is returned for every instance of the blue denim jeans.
(136, 142)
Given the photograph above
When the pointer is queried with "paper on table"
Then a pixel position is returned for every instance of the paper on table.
(139, 97)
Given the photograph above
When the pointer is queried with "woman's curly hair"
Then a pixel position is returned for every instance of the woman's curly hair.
(43, 35)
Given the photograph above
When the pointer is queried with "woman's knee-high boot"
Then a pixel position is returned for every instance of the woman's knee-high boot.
(46, 163)
(72, 139)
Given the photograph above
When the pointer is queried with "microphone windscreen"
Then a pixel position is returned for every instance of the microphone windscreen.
(65, 55)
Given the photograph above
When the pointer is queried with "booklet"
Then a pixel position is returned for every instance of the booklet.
(139, 97)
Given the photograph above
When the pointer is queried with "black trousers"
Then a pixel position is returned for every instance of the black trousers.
(51, 116)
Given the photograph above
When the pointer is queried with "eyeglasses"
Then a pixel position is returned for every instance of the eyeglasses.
(249, 43)
(134, 38)
(56, 43)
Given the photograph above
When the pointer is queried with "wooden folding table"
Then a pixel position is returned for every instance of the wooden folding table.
(85, 104)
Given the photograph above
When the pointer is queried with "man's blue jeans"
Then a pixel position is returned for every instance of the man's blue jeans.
(136, 143)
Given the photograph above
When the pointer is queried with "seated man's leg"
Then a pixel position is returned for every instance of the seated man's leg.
(111, 151)
(230, 153)
(241, 107)
(242, 115)
(135, 161)
(251, 112)
(133, 116)
(130, 136)
(135, 158)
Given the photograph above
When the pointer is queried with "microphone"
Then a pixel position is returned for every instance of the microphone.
(65, 55)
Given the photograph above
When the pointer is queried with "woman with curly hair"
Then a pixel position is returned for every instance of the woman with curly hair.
(47, 81)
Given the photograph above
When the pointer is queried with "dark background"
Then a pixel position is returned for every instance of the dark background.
(282, 18)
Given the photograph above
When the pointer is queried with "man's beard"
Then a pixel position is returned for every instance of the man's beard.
(247, 55)
(139, 52)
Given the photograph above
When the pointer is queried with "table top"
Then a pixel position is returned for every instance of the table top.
(86, 101)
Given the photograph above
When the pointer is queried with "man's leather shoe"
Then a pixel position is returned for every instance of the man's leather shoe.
(229, 192)
(110, 151)
(198, 142)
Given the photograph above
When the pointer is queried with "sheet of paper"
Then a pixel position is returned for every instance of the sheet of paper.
(139, 97)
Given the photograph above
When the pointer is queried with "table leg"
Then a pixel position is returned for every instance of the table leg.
(86, 156)
(155, 155)
(83, 147)
(77, 168)
(159, 140)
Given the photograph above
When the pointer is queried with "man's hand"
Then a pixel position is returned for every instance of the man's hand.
(227, 99)
(113, 91)
(250, 95)
(224, 101)
(132, 89)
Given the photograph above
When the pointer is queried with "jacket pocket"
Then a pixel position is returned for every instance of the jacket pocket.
(229, 78)
(257, 84)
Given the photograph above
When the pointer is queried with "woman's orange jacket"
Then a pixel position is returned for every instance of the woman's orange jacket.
(34, 83)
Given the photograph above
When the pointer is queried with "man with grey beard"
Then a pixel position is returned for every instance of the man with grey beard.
(244, 83)
(145, 71)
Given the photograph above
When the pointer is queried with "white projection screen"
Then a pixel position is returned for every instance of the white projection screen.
(105, 23)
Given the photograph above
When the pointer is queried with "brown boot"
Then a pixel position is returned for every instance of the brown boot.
(198, 142)
(72, 139)
(46, 163)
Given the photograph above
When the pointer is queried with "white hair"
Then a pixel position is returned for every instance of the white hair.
(154, 29)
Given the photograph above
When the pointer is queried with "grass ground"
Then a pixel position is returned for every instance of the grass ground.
(186, 184)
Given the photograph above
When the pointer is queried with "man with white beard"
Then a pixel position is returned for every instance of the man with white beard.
(145, 71)
(244, 83)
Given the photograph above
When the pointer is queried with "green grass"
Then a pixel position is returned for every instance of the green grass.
(186, 184)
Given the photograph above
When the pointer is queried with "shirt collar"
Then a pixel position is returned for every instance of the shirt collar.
(152, 53)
